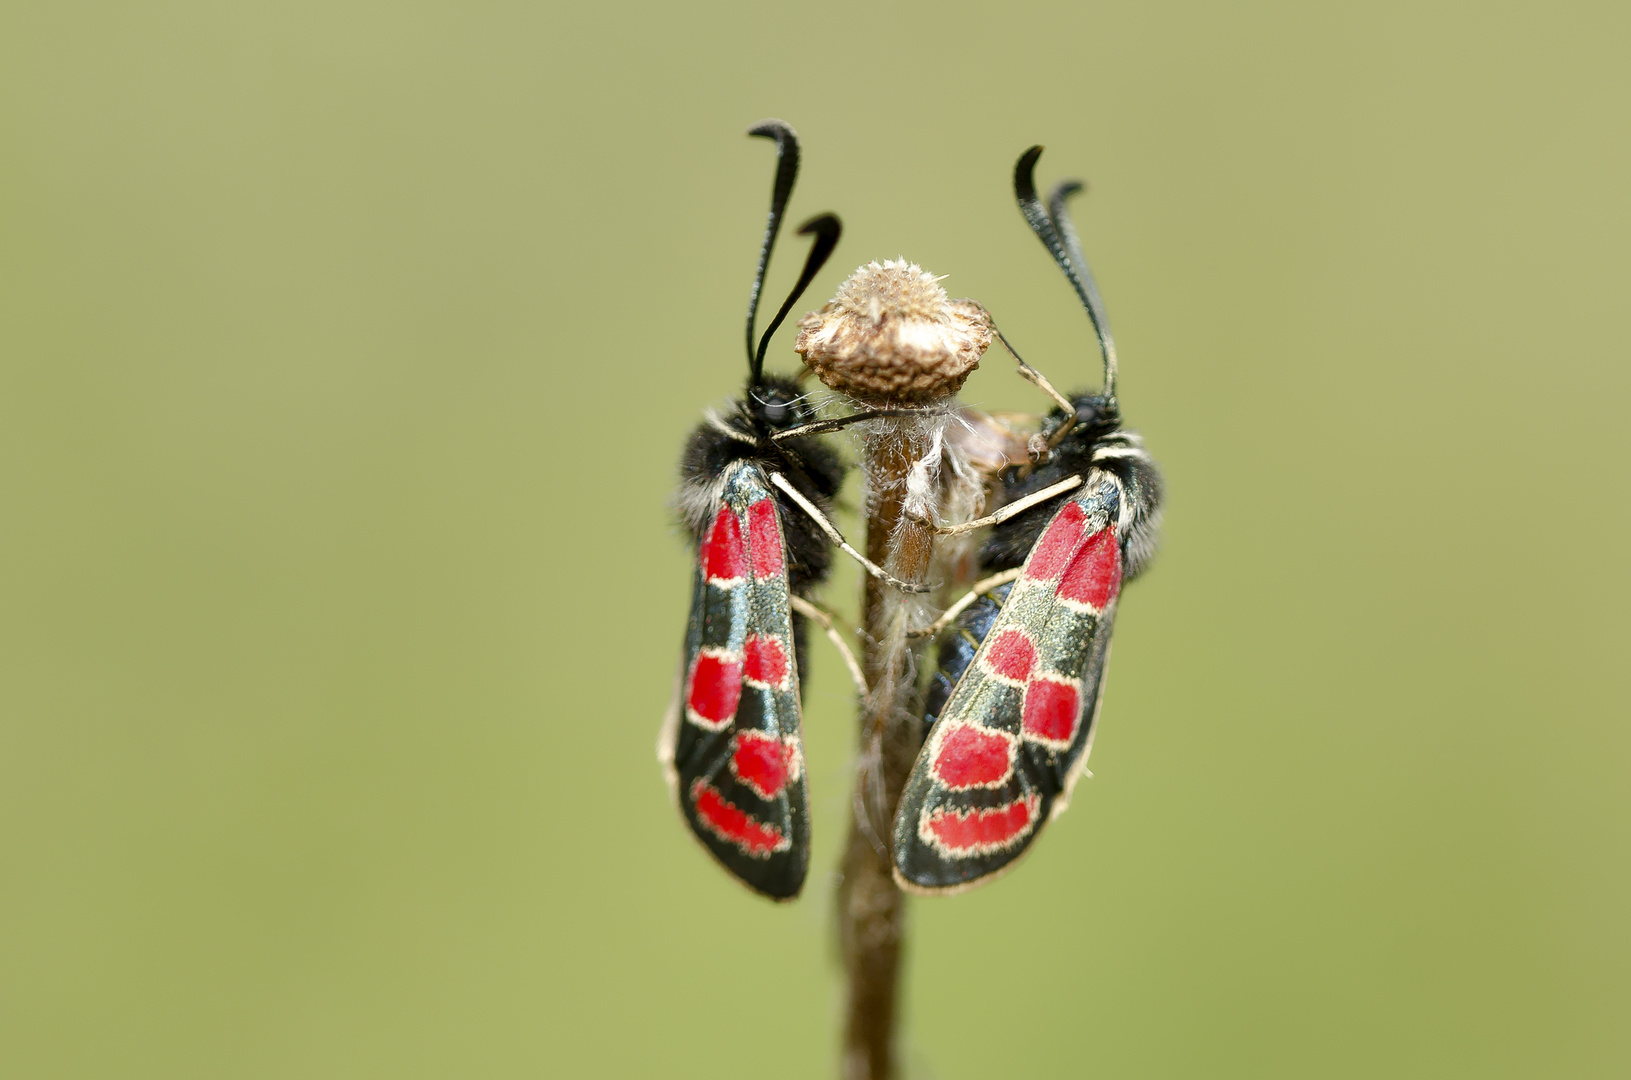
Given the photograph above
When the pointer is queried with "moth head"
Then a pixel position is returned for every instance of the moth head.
(774, 403)
(1096, 414)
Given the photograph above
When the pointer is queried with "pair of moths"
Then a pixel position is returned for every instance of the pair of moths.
(1011, 706)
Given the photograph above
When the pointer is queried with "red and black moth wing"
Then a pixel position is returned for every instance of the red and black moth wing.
(731, 744)
(1014, 736)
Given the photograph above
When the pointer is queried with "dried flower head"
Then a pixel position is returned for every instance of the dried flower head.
(892, 335)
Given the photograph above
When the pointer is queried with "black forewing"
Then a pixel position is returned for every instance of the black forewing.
(737, 768)
(961, 818)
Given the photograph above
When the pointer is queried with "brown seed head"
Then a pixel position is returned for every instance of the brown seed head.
(891, 335)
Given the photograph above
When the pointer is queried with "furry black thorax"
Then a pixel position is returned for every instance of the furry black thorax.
(770, 405)
(1098, 419)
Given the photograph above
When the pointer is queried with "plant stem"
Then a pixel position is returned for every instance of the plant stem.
(891, 339)
(871, 910)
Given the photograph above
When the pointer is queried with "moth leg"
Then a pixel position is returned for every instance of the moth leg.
(1040, 381)
(975, 591)
(1018, 506)
(838, 538)
(822, 427)
(825, 620)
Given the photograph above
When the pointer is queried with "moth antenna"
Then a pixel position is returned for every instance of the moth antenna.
(1059, 211)
(787, 170)
(1058, 234)
(827, 228)
(1059, 214)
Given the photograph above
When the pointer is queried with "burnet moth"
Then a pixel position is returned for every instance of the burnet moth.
(1012, 707)
(754, 480)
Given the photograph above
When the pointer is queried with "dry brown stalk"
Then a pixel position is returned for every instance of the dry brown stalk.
(891, 339)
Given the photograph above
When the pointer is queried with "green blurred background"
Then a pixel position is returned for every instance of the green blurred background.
(345, 353)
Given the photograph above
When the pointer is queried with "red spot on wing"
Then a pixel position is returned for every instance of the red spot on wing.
(1011, 655)
(765, 661)
(733, 825)
(761, 762)
(970, 756)
(1052, 711)
(1094, 575)
(716, 688)
(722, 550)
(1052, 552)
(766, 534)
(979, 832)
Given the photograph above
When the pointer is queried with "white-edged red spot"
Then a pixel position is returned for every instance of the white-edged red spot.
(968, 756)
(722, 550)
(715, 688)
(762, 762)
(1052, 553)
(764, 661)
(965, 834)
(1010, 656)
(734, 825)
(765, 536)
(793, 757)
(1094, 576)
(1052, 711)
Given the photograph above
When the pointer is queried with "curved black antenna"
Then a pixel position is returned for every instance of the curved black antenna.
(1043, 225)
(1059, 214)
(787, 171)
(1059, 211)
(827, 229)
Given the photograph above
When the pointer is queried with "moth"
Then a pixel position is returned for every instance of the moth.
(755, 480)
(1011, 709)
